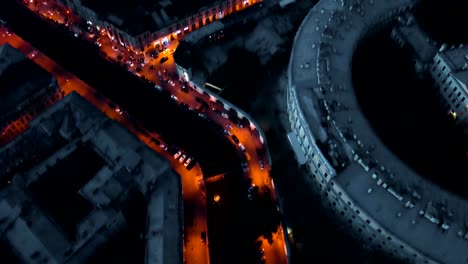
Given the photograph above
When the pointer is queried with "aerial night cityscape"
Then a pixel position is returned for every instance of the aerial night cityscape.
(233, 131)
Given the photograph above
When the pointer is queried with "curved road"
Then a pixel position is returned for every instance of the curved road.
(247, 134)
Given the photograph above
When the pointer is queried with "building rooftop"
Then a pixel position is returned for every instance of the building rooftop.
(184, 54)
(68, 195)
(9, 56)
(20, 79)
(137, 17)
(457, 59)
(197, 35)
(424, 47)
(319, 73)
(462, 78)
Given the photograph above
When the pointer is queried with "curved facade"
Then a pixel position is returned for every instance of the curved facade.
(383, 200)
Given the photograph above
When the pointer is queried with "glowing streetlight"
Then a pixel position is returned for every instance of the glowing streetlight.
(216, 198)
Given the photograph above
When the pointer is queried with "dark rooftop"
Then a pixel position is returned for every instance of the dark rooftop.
(183, 54)
(15, 88)
(183, 8)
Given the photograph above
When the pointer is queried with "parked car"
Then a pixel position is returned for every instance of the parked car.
(203, 237)
(190, 164)
(252, 191)
(155, 141)
(163, 60)
(235, 139)
(163, 147)
(182, 158)
(177, 155)
(118, 110)
(241, 147)
(187, 162)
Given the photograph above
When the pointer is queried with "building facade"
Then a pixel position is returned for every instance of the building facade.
(121, 37)
(22, 96)
(176, 29)
(383, 201)
(408, 33)
(450, 71)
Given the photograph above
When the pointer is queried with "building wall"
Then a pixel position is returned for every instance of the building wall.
(89, 15)
(16, 121)
(192, 22)
(453, 95)
(334, 196)
(176, 29)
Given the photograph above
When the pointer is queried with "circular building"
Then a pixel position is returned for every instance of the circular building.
(379, 196)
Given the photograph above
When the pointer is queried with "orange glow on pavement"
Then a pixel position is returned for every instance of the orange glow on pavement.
(192, 190)
(195, 251)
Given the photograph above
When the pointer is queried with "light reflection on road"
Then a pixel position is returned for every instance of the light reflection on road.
(195, 251)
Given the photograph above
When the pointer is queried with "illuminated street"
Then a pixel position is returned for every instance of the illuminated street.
(192, 191)
(250, 144)
(233, 131)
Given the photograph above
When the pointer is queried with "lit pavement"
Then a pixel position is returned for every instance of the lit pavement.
(194, 248)
(195, 251)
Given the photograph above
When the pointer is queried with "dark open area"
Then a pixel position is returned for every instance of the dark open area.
(405, 112)
(236, 222)
(6, 254)
(444, 21)
(56, 190)
(183, 8)
(238, 77)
